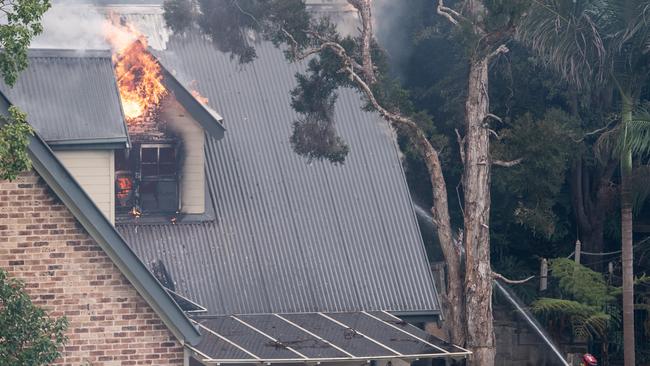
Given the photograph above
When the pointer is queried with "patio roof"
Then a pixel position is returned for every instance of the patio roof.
(315, 337)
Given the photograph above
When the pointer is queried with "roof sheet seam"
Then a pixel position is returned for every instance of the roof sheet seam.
(269, 337)
(228, 340)
(403, 331)
(361, 334)
(315, 335)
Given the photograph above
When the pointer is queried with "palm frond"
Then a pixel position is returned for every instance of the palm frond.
(588, 41)
(566, 35)
(636, 135)
(605, 147)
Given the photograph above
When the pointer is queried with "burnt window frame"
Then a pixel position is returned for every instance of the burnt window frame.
(135, 164)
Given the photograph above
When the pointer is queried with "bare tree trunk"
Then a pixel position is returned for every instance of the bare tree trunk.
(628, 275)
(591, 208)
(626, 243)
(453, 307)
(364, 8)
(476, 184)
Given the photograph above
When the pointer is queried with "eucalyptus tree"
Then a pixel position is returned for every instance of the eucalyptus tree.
(592, 43)
(335, 60)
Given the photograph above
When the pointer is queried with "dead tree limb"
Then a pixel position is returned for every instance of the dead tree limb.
(498, 276)
(452, 15)
(507, 163)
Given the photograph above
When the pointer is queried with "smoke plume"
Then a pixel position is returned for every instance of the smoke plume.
(71, 26)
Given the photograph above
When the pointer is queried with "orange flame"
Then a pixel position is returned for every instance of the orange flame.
(139, 79)
(124, 184)
(199, 97)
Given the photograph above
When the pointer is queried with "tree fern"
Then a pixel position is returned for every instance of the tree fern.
(586, 320)
(581, 283)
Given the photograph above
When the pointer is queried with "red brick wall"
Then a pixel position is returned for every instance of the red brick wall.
(68, 274)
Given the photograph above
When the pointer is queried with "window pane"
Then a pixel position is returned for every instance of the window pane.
(167, 155)
(149, 170)
(148, 196)
(149, 154)
(159, 196)
(167, 169)
(167, 196)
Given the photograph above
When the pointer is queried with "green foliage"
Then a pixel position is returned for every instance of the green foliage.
(586, 300)
(545, 147)
(14, 139)
(21, 23)
(635, 136)
(316, 139)
(581, 283)
(226, 22)
(564, 35)
(505, 14)
(178, 15)
(28, 337)
(586, 321)
(314, 134)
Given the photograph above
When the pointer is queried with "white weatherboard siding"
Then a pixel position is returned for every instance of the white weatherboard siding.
(94, 170)
(192, 180)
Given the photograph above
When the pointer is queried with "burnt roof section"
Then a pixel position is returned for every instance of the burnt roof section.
(288, 235)
(71, 98)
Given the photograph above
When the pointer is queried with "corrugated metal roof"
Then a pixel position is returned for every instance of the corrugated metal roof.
(70, 96)
(289, 236)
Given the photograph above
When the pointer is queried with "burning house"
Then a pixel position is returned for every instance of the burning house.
(223, 246)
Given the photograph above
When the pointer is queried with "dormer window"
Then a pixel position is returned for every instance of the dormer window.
(146, 181)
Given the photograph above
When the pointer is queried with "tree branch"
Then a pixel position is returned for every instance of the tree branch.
(494, 133)
(364, 9)
(508, 163)
(461, 146)
(498, 276)
(449, 13)
(494, 117)
(594, 132)
(326, 44)
(501, 49)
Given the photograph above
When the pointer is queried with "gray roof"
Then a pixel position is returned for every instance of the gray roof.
(66, 188)
(70, 97)
(289, 236)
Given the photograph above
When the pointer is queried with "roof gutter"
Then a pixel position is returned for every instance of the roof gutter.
(89, 144)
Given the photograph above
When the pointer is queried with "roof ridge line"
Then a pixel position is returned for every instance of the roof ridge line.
(69, 53)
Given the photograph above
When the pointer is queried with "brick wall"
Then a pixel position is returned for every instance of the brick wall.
(68, 274)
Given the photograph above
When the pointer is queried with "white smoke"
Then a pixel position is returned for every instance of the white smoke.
(393, 36)
(70, 26)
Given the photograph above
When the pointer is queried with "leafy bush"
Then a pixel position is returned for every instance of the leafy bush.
(28, 336)
(14, 139)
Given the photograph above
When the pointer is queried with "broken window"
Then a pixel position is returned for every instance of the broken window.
(147, 181)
